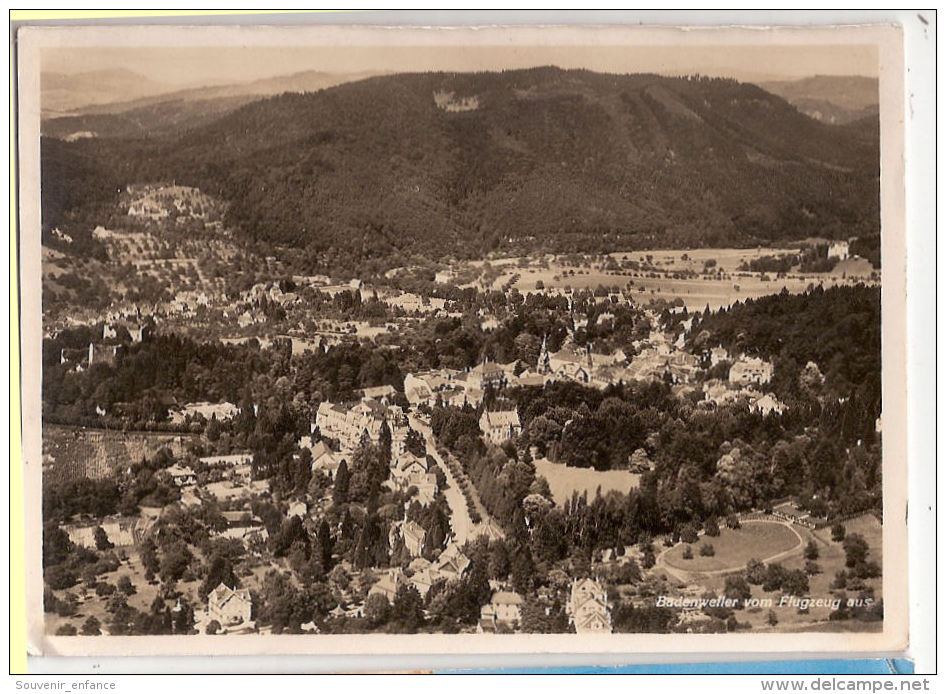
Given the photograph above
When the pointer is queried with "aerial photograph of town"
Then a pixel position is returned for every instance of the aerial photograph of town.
(478, 342)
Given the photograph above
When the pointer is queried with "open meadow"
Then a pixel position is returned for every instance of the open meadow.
(761, 540)
(564, 480)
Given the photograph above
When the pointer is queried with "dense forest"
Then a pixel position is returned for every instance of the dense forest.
(375, 169)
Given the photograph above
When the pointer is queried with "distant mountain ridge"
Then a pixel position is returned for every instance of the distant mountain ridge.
(170, 110)
(465, 163)
(830, 98)
(61, 93)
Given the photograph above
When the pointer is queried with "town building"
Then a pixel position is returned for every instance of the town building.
(452, 563)
(682, 366)
(388, 584)
(587, 607)
(416, 389)
(487, 375)
(791, 512)
(325, 460)
(182, 475)
(718, 354)
(500, 426)
(243, 526)
(222, 411)
(229, 606)
(332, 420)
(411, 533)
(840, 250)
(424, 576)
(528, 379)
(766, 404)
(297, 509)
(751, 370)
(408, 469)
(503, 609)
(349, 424)
(452, 387)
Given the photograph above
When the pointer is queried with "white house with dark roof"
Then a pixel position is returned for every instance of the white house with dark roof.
(349, 424)
(332, 420)
(487, 374)
(766, 404)
(324, 459)
(840, 250)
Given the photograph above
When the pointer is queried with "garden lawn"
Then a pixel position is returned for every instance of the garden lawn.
(733, 548)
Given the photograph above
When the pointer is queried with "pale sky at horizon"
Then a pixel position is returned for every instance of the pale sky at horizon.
(195, 65)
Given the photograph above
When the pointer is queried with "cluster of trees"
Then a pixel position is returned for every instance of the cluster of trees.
(626, 618)
(774, 577)
(65, 563)
(603, 438)
(162, 618)
(810, 259)
(770, 263)
(63, 499)
(284, 605)
(868, 247)
(81, 285)
(858, 567)
(147, 484)
(146, 378)
(345, 368)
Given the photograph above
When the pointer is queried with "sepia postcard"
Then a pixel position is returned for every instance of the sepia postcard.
(355, 340)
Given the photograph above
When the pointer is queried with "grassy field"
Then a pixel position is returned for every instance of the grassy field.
(696, 293)
(754, 540)
(564, 480)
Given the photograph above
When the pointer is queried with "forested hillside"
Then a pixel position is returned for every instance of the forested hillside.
(436, 164)
(838, 329)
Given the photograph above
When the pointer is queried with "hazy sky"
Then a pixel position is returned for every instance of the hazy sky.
(190, 65)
